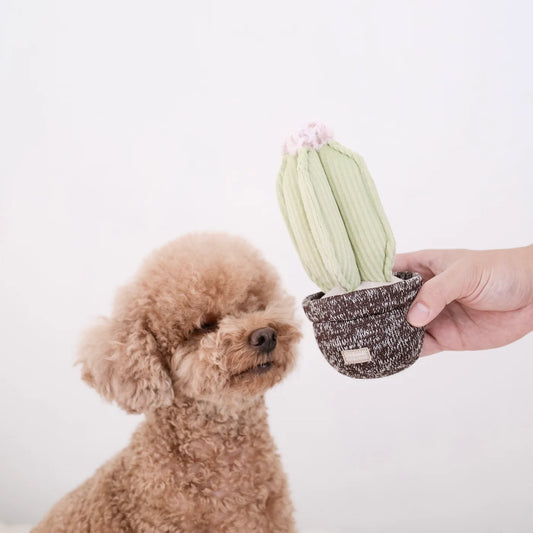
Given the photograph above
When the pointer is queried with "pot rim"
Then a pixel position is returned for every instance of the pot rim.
(363, 302)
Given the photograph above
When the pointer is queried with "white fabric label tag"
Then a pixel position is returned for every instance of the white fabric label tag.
(354, 357)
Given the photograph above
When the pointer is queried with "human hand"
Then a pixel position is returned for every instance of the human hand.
(471, 300)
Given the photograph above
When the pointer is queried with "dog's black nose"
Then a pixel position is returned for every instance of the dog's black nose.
(263, 339)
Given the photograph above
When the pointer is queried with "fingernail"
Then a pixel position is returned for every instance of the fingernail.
(418, 315)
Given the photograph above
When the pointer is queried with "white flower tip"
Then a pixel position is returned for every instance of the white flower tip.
(314, 135)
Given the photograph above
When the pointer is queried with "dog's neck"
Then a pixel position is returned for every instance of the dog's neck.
(185, 409)
(192, 421)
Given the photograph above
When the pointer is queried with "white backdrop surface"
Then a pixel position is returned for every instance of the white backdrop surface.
(126, 124)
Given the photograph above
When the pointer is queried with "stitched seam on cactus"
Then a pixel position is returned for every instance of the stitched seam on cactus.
(375, 205)
(372, 193)
(355, 233)
(326, 241)
(365, 232)
(356, 259)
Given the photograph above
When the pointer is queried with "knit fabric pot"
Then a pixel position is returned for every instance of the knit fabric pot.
(365, 333)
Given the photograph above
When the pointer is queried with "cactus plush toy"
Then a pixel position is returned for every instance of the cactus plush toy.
(337, 223)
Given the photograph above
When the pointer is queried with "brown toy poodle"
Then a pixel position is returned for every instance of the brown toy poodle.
(193, 342)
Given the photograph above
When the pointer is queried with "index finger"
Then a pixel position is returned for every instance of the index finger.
(414, 262)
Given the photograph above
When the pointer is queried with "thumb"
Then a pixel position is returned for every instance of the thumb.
(437, 293)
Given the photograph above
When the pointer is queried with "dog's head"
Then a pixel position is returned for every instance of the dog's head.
(204, 318)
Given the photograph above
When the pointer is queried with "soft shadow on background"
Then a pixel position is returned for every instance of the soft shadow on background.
(126, 124)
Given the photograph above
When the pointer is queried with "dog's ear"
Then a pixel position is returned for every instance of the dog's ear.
(122, 361)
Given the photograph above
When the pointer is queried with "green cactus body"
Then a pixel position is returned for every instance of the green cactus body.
(333, 213)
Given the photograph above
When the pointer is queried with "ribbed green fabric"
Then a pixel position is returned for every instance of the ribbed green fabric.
(296, 220)
(335, 218)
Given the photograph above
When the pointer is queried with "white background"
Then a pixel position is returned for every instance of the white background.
(126, 124)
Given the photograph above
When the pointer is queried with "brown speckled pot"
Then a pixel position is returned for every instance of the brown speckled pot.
(364, 333)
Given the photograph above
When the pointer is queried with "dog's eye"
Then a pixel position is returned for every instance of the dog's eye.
(209, 324)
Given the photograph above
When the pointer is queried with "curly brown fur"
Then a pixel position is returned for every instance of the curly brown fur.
(177, 348)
